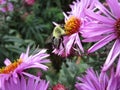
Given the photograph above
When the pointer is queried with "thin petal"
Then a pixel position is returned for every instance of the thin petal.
(7, 62)
(93, 39)
(101, 43)
(104, 10)
(70, 43)
(99, 17)
(79, 42)
(37, 65)
(97, 32)
(29, 75)
(118, 68)
(114, 52)
(23, 83)
(114, 6)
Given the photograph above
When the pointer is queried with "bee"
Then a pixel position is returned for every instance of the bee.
(58, 33)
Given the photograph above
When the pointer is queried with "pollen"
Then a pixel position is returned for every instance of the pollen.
(117, 28)
(11, 67)
(72, 25)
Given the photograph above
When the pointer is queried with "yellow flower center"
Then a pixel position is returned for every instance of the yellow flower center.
(11, 67)
(72, 25)
(117, 28)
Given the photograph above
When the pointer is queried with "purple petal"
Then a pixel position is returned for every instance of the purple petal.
(23, 83)
(102, 43)
(118, 68)
(93, 39)
(103, 79)
(79, 42)
(97, 32)
(114, 52)
(7, 62)
(112, 85)
(114, 6)
(104, 10)
(30, 84)
(29, 75)
(100, 17)
(37, 65)
(70, 43)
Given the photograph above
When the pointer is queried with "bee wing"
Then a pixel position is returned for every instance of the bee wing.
(56, 42)
(49, 40)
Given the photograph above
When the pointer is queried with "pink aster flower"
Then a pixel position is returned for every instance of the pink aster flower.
(12, 70)
(25, 84)
(104, 29)
(74, 25)
(93, 81)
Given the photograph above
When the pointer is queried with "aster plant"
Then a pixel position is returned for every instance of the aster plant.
(13, 70)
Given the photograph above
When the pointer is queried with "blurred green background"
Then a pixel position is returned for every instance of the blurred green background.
(29, 25)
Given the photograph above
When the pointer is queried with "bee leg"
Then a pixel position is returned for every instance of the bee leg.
(53, 43)
(63, 45)
(58, 46)
(62, 41)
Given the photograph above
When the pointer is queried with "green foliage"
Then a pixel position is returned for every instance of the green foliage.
(27, 25)
(68, 73)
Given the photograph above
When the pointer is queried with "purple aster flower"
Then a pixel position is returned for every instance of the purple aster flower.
(2, 2)
(74, 25)
(12, 70)
(92, 81)
(104, 28)
(25, 84)
(6, 6)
